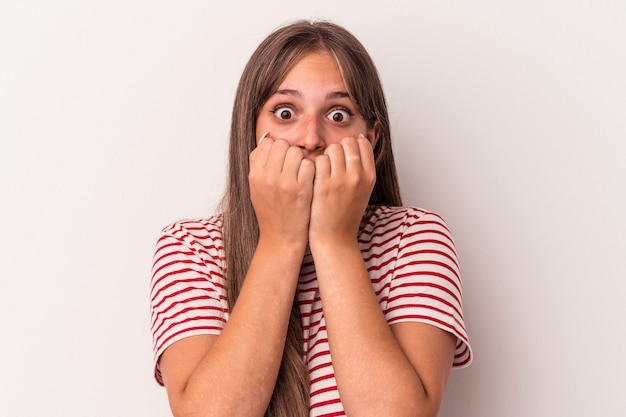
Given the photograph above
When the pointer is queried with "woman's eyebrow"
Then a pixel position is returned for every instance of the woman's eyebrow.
(289, 92)
(297, 93)
(337, 94)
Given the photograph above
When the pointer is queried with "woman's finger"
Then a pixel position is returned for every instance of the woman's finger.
(352, 154)
(306, 172)
(366, 153)
(336, 158)
(292, 162)
(322, 168)
(277, 152)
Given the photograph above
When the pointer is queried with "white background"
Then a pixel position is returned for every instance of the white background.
(509, 119)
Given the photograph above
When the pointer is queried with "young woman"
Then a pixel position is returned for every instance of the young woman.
(312, 292)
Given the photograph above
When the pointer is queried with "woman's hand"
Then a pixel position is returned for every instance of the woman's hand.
(281, 189)
(234, 374)
(344, 178)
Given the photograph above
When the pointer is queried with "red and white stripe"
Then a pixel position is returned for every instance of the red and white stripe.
(410, 257)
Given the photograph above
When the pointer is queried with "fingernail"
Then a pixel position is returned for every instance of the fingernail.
(361, 135)
(262, 137)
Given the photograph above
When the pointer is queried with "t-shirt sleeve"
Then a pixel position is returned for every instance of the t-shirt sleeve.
(187, 297)
(426, 286)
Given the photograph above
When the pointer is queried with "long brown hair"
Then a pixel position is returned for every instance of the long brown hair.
(266, 69)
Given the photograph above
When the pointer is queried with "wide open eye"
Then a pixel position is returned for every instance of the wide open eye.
(283, 113)
(339, 116)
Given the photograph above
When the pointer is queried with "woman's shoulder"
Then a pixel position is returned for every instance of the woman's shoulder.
(389, 223)
(405, 214)
(200, 233)
(196, 226)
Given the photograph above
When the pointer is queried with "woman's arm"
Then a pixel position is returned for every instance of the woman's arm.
(383, 371)
(234, 374)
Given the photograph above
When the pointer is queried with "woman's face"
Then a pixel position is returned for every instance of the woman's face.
(312, 108)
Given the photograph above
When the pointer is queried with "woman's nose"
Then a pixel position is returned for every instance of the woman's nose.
(311, 136)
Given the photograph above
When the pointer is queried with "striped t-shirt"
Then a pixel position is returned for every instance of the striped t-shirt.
(412, 265)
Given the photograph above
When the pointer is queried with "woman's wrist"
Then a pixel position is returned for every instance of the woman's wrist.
(282, 249)
(333, 246)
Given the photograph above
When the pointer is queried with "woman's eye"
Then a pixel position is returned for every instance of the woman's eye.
(340, 116)
(283, 113)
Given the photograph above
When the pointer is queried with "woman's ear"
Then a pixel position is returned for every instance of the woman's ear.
(376, 132)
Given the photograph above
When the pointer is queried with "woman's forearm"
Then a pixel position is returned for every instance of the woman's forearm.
(237, 374)
(374, 376)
